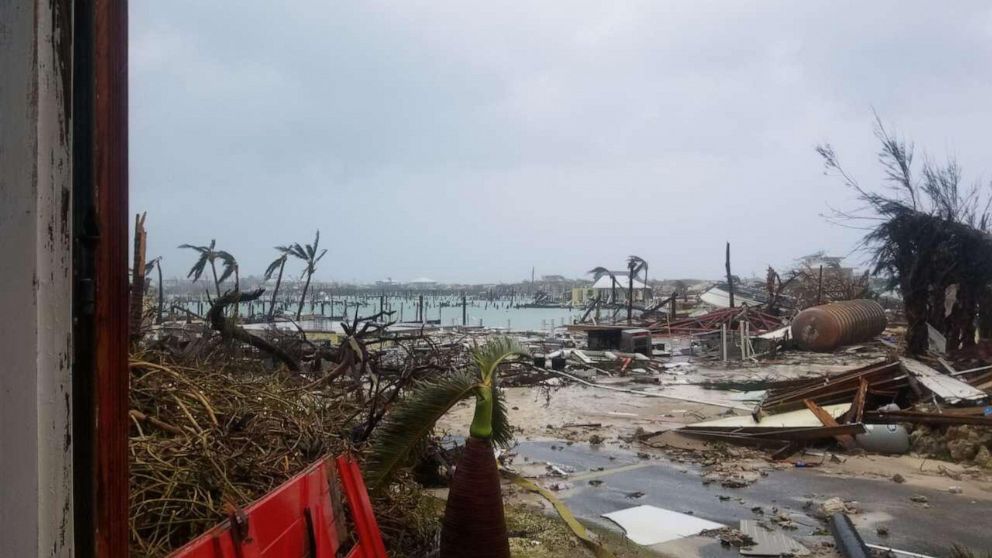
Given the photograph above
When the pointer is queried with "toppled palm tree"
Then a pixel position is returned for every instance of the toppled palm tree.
(598, 272)
(635, 265)
(277, 264)
(311, 256)
(929, 233)
(474, 523)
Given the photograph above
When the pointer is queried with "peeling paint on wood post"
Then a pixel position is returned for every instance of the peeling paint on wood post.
(36, 443)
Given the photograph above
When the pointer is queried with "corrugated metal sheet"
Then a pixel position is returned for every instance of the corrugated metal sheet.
(647, 525)
(946, 387)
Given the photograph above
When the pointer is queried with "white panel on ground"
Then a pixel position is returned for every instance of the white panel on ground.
(647, 525)
(792, 419)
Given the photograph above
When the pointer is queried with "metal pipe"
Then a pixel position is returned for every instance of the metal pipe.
(846, 538)
(723, 341)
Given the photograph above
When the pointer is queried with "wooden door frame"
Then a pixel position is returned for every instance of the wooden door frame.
(100, 290)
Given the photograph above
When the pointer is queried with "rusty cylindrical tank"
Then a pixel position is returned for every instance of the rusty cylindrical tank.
(824, 328)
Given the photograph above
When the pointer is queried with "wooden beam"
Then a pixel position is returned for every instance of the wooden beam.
(858, 405)
(826, 419)
(109, 139)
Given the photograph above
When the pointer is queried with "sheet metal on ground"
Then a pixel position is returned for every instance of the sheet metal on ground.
(946, 387)
(648, 525)
(664, 484)
(791, 419)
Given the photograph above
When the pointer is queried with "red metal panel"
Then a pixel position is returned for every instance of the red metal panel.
(277, 524)
(370, 539)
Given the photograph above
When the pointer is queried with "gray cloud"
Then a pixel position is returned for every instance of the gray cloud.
(471, 141)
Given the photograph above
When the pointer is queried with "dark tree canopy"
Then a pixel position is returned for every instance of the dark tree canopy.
(928, 234)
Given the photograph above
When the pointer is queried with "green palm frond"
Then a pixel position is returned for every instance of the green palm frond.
(493, 353)
(488, 413)
(502, 431)
(410, 421)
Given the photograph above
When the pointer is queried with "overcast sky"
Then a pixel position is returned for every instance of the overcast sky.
(470, 141)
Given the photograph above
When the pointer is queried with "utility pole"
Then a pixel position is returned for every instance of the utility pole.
(730, 278)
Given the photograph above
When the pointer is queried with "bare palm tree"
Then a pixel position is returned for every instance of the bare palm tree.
(311, 255)
(635, 265)
(207, 256)
(280, 264)
(230, 266)
(598, 272)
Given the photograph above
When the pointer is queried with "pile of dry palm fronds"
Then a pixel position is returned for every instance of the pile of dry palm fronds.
(206, 436)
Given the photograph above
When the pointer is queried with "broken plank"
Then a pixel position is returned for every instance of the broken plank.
(844, 439)
(858, 405)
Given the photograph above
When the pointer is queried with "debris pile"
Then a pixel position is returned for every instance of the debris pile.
(208, 439)
(846, 406)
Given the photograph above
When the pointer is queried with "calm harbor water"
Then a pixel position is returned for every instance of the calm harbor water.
(497, 313)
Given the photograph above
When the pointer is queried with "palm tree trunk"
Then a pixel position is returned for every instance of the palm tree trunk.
(237, 289)
(299, 309)
(272, 306)
(730, 278)
(630, 296)
(213, 268)
(161, 293)
(474, 524)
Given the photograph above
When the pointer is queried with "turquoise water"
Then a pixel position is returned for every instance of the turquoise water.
(498, 313)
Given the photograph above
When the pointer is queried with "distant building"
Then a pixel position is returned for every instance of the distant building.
(554, 286)
(831, 264)
(718, 296)
(422, 283)
(603, 289)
